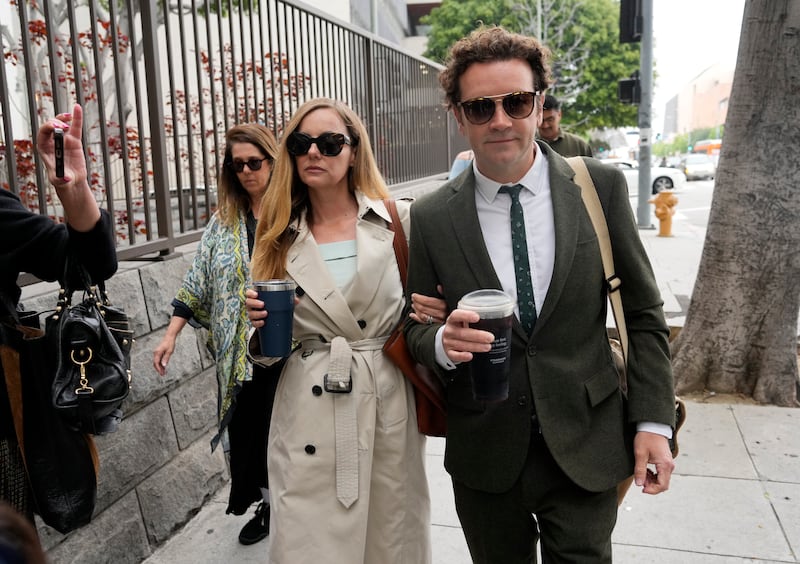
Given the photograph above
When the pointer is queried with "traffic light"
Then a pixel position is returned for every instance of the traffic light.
(631, 21)
(629, 91)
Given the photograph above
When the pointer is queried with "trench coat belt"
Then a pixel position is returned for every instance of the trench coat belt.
(344, 412)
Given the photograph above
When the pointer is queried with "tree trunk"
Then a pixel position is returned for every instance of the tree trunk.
(740, 334)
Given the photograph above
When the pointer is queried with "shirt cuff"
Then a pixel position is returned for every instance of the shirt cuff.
(657, 428)
(180, 309)
(441, 357)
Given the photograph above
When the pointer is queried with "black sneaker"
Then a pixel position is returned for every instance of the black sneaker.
(256, 528)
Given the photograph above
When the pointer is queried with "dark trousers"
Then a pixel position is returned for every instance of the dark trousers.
(248, 430)
(573, 525)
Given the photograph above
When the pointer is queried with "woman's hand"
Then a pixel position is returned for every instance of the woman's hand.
(163, 353)
(427, 309)
(74, 159)
(255, 308)
(80, 206)
(166, 347)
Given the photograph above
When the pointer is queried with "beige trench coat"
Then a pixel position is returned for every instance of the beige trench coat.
(346, 470)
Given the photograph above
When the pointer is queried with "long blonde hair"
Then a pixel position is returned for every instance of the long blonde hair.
(233, 198)
(287, 196)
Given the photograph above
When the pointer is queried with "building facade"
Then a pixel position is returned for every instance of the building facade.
(701, 103)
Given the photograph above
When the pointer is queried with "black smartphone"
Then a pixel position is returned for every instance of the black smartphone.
(58, 139)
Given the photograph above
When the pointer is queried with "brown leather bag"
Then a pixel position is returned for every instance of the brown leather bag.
(428, 390)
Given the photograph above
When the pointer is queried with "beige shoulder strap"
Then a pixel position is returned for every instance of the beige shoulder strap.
(595, 209)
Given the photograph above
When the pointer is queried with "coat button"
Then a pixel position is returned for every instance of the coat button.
(362, 323)
(311, 449)
(531, 350)
(522, 400)
(299, 292)
(316, 390)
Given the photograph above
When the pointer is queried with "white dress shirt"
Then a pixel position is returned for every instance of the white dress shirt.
(494, 210)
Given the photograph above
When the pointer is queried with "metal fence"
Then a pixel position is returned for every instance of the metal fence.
(161, 82)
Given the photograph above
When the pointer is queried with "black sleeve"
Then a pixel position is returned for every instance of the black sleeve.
(95, 249)
(180, 309)
(34, 243)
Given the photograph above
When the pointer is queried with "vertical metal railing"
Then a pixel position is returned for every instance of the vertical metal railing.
(161, 82)
(158, 142)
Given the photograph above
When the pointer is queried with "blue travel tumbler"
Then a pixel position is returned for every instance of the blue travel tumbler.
(276, 334)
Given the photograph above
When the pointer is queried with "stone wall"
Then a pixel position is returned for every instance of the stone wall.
(157, 470)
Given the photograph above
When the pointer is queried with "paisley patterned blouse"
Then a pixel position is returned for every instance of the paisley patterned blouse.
(214, 291)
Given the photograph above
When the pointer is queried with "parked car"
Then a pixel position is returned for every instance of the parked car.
(698, 166)
(662, 178)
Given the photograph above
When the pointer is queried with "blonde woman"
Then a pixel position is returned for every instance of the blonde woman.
(213, 295)
(346, 469)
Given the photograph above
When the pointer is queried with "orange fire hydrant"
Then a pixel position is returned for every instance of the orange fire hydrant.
(665, 208)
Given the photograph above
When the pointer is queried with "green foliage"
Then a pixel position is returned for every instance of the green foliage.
(592, 101)
(597, 105)
(454, 19)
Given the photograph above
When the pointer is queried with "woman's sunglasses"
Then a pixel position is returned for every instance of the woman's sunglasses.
(517, 105)
(252, 164)
(329, 144)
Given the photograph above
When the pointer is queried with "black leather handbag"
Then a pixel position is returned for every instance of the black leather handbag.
(60, 463)
(91, 341)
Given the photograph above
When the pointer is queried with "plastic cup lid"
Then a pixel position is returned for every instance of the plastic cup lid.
(274, 285)
(490, 304)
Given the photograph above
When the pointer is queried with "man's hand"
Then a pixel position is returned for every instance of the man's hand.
(652, 448)
(460, 341)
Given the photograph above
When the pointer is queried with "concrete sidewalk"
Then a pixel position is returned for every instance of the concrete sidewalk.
(735, 496)
(734, 499)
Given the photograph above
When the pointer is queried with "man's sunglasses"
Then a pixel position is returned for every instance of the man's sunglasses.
(252, 164)
(329, 144)
(517, 105)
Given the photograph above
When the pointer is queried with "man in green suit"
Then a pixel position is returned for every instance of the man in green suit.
(543, 464)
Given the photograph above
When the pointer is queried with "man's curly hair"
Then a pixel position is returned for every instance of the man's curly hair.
(488, 44)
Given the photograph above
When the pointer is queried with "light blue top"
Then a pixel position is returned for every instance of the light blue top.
(341, 260)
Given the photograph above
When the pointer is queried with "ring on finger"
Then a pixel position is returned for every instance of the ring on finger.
(429, 321)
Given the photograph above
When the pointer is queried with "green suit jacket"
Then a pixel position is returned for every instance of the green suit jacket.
(564, 371)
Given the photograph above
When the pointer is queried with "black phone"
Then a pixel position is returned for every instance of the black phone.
(58, 139)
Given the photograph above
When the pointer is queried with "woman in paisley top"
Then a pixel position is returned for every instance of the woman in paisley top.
(212, 295)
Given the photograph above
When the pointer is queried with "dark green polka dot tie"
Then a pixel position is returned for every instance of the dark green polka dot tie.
(522, 267)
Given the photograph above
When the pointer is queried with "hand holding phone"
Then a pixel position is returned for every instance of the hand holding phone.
(58, 139)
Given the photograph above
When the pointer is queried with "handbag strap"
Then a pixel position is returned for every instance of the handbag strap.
(400, 243)
(598, 218)
(75, 271)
